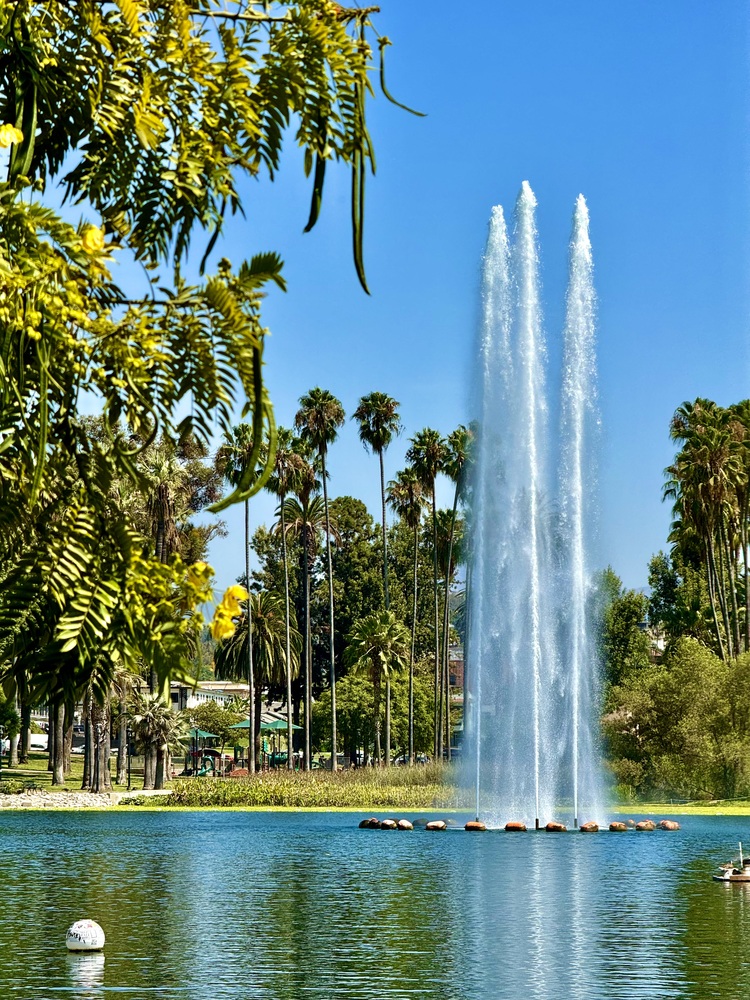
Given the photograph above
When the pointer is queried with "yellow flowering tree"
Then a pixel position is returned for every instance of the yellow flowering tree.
(149, 112)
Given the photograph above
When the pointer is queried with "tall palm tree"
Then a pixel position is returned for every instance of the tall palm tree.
(288, 473)
(268, 626)
(304, 517)
(156, 725)
(378, 646)
(379, 422)
(455, 466)
(232, 458)
(426, 455)
(318, 419)
(406, 498)
(449, 551)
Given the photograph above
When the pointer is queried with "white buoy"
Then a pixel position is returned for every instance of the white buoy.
(84, 935)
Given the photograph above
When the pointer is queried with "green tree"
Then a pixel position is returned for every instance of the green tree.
(406, 498)
(214, 718)
(318, 419)
(378, 647)
(427, 454)
(623, 643)
(288, 470)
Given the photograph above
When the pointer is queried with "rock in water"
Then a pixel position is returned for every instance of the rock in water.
(436, 824)
(515, 827)
(84, 935)
(367, 824)
(475, 825)
(618, 827)
(668, 824)
(389, 824)
(405, 824)
(556, 828)
(590, 828)
(646, 825)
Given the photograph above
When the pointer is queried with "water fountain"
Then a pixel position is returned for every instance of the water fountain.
(531, 697)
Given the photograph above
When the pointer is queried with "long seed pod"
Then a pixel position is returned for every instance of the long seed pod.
(384, 42)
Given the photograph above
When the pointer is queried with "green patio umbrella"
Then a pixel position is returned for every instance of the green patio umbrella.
(277, 724)
(201, 734)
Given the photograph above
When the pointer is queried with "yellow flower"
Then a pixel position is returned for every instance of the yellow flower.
(222, 625)
(198, 574)
(92, 240)
(235, 593)
(9, 134)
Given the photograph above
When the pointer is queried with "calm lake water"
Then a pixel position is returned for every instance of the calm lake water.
(288, 905)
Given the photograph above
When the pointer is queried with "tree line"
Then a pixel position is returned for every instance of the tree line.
(677, 700)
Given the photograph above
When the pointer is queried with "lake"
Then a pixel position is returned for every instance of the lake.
(305, 905)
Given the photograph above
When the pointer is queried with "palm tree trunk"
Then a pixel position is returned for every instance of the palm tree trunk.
(744, 542)
(711, 577)
(334, 762)
(436, 717)
(732, 574)
(441, 703)
(385, 536)
(388, 722)
(68, 736)
(15, 740)
(25, 724)
(58, 761)
(721, 585)
(376, 719)
(308, 647)
(50, 737)
(413, 645)
(253, 754)
(122, 746)
(446, 615)
(287, 644)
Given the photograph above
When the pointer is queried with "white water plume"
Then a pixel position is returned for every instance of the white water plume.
(531, 666)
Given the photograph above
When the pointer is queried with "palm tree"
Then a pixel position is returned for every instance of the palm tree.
(232, 458)
(449, 539)
(304, 517)
(406, 498)
(268, 625)
(155, 725)
(427, 454)
(288, 471)
(318, 419)
(454, 467)
(378, 424)
(378, 646)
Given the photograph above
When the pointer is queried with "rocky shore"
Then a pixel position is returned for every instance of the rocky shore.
(41, 798)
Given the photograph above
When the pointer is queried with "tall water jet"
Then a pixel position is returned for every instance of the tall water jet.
(578, 427)
(529, 653)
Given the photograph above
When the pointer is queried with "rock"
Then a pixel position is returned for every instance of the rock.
(668, 824)
(436, 824)
(556, 828)
(370, 824)
(389, 824)
(618, 827)
(475, 825)
(646, 825)
(405, 824)
(589, 828)
(515, 827)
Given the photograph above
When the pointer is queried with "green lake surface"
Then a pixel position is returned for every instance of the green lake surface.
(283, 905)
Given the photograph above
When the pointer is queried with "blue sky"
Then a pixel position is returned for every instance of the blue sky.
(643, 107)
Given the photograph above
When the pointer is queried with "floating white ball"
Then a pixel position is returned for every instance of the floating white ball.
(85, 935)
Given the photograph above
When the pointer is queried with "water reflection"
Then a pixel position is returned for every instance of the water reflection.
(86, 973)
(285, 906)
